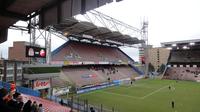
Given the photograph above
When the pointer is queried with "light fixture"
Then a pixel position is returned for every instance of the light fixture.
(192, 43)
(173, 45)
(185, 47)
(66, 33)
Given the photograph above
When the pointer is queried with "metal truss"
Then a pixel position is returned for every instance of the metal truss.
(37, 34)
(103, 20)
(38, 37)
(92, 16)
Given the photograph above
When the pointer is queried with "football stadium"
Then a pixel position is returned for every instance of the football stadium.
(89, 71)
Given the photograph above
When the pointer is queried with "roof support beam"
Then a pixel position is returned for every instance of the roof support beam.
(87, 30)
(102, 34)
(113, 37)
(4, 4)
(13, 15)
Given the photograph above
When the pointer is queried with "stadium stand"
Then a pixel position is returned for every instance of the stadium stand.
(82, 76)
(76, 51)
(96, 74)
(59, 82)
(18, 102)
(48, 106)
(185, 56)
(86, 64)
(183, 73)
(183, 64)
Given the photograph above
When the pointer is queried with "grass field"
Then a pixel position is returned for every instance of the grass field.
(149, 95)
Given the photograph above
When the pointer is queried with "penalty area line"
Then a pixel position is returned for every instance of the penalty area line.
(133, 97)
(155, 91)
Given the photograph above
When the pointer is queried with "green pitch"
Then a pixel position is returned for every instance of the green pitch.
(149, 96)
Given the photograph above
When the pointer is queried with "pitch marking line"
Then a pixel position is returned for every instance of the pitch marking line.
(133, 97)
(155, 91)
(120, 94)
(91, 92)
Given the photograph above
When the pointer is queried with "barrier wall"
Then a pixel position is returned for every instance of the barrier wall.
(114, 83)
(20, 89)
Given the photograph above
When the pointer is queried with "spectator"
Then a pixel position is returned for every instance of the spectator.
(16, 102)
(34, 107)
(40, 109)
(92, 109)
(27, 106)
(19, 99)
(3, 99)
(61, 102)
(20, 106)
(108, 79)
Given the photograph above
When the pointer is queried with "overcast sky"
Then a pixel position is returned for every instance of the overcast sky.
(169, 20)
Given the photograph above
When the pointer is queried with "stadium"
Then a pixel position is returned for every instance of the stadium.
(90, 72)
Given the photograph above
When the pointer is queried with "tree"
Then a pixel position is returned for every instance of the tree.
(151, 68)
(161, 69)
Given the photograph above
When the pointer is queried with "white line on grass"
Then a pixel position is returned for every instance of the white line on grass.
(120, 94)
(133, 97)
(155, 91)
(91, 92)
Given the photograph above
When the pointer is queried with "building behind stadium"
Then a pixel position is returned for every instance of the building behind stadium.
(156, 56)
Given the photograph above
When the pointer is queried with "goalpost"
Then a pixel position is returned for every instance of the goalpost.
(126, 81)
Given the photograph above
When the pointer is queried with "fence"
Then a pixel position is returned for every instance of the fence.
(23, 90)
(80, 105)
(83, 105)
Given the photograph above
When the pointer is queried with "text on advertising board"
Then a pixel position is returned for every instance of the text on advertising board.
(41, 84)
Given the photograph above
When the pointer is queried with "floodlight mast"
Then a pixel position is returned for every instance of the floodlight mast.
(31, 26)
(37, 33)
(145, 46)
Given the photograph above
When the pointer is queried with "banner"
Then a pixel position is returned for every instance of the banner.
(60, 91)
(41, 84)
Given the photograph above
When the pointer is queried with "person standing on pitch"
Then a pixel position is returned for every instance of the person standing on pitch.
(173, 105)
(169, 87)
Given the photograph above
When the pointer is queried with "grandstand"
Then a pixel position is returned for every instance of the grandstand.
(48, 106)
(73, 51)
(96, 74)
(87, 64)
(183, 62)
(106, 64)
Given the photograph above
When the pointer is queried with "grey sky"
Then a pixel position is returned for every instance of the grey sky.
(169, 20)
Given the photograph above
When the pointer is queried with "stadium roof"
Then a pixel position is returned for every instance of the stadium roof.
(12, 11)
(181, 43)
(72, 26)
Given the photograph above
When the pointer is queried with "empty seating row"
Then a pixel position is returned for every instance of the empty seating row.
(185, 56)
(83, 76)
(76, 51)
(183, 73)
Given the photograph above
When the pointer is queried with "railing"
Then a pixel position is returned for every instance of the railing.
(137, 70)
(80, 105)
(20, 89)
